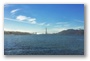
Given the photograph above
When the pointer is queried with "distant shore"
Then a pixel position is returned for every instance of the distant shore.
(64, 32)
(16, 33)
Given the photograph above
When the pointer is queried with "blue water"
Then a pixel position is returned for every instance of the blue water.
(43, 44)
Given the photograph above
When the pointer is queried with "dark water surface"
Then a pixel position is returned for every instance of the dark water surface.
(43, 45)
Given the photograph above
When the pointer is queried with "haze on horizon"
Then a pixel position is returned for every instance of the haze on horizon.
(36, 17)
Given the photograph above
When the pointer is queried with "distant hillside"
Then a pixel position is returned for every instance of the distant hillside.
(16, 33)
(72, 32)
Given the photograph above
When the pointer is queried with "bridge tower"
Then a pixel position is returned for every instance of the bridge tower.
(45, 30)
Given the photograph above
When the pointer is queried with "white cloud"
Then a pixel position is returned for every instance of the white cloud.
(8, 19)
(79, 27)
(32, 20)
(59, 29)
(79, 21)
(61, 22)
(66, 25)
(21, 18)
(15, 10)
(47, 24)
(15, 20)
(25, 18)
(42, 23)
(56, 26)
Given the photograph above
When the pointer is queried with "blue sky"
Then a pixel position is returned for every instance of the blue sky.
(36, 17)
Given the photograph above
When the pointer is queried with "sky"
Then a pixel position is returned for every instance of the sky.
(36, 17)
